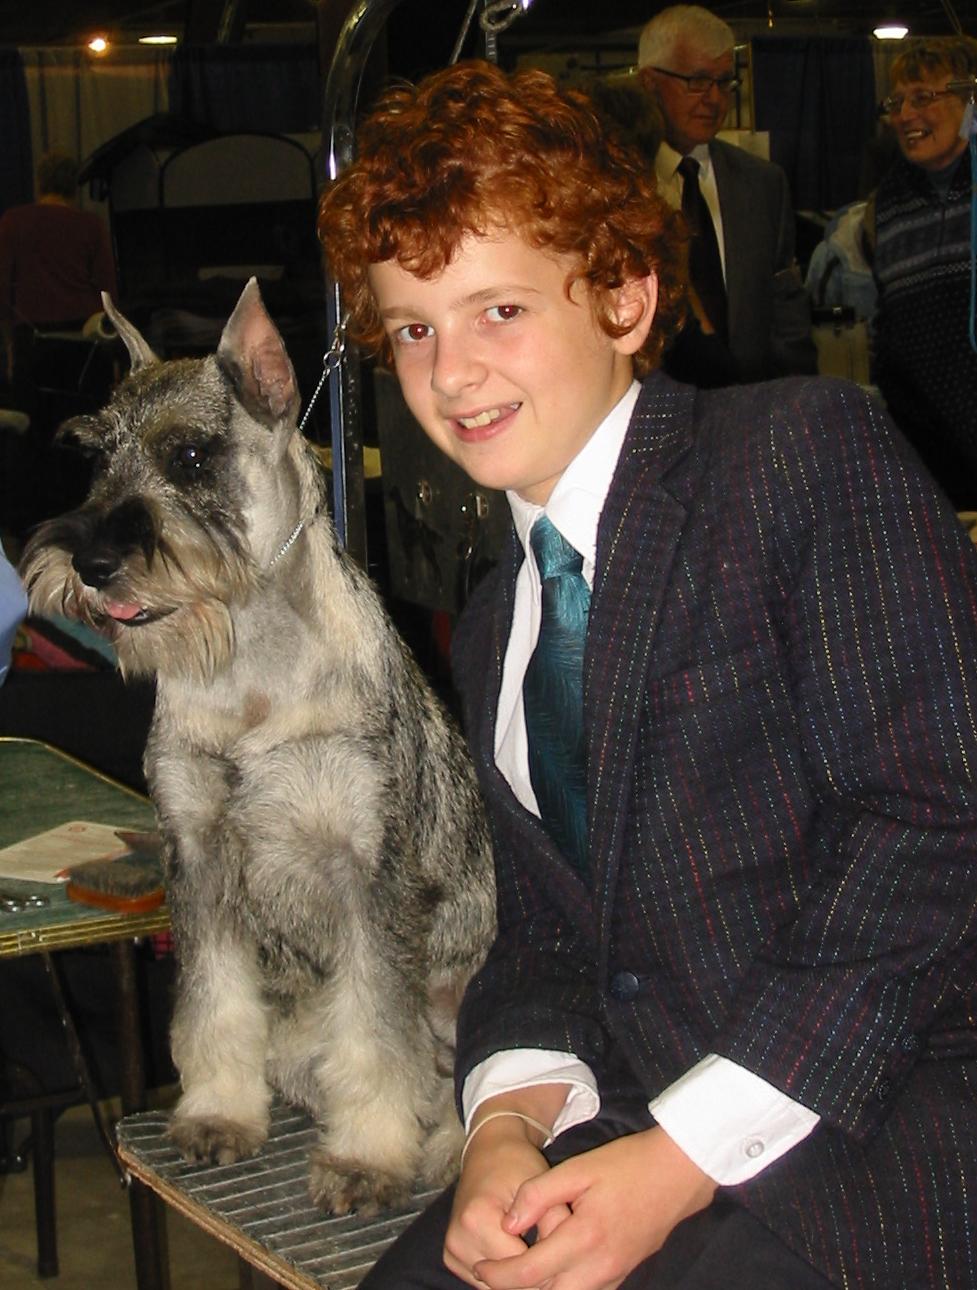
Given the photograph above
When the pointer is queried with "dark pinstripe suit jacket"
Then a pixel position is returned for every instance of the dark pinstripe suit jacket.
(781, 710)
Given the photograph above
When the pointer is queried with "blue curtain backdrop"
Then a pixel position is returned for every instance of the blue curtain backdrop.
(271, 88)
(16, 163)
(816, 97)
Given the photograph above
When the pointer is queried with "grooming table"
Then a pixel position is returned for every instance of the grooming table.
(260, 1206)
(40, 788)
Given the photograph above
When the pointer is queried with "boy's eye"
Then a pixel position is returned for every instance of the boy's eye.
(412, 333)
(503, 313)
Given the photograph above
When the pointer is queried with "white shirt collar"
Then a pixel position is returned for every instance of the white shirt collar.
(578, 498)
(667, 161)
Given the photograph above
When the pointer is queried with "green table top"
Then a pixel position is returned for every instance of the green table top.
(41, 788)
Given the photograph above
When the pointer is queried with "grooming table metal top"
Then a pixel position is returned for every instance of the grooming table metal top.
(260, 1206)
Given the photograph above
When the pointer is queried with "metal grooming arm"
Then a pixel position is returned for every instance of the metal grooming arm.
(359, 31)
(361, 28)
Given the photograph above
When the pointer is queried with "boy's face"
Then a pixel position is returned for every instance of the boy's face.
(504, 372)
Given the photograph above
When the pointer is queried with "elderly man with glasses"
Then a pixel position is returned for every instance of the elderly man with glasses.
(925, 360)
(750, 315)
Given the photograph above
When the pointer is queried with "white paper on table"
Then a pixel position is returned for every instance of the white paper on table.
(45, 857)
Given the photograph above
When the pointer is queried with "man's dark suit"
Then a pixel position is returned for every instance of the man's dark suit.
(781, 710)
(768, 313)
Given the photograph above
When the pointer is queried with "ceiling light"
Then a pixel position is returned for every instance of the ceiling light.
(157, 40)
(98, 45)
(891, 31)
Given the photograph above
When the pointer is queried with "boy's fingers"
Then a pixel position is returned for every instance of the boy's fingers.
(534, 1268)
(555, 1188)
(551, 1220)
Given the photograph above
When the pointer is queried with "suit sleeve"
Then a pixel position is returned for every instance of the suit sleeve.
(536, 989)
(877, 611)
(791, 344)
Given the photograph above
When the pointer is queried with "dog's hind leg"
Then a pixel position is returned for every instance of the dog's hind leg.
(219, 1043)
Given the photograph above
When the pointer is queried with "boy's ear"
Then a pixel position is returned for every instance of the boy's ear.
(634, 306)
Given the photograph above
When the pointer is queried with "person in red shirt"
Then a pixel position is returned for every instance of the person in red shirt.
(55, 260)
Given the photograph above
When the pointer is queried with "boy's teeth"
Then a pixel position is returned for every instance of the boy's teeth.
(484, 418)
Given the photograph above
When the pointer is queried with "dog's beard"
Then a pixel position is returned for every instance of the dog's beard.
(167, 611)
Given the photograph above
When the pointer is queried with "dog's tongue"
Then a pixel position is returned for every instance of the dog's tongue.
(121, 612)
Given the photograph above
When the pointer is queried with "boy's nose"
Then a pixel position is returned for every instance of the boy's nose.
(457, 367)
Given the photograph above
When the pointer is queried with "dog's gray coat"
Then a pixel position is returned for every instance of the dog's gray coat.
(326, 857)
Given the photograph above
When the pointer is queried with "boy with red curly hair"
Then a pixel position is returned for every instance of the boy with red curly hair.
(719, 691)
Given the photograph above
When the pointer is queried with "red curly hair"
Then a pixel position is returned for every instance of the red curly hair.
(472, 149)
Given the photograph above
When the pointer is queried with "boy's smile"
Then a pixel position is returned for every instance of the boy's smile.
(505, 372)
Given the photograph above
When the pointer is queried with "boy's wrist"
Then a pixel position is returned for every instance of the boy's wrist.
(525, 1113)
(506, 1126)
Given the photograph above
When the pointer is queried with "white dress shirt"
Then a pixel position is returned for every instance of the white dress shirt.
(671, 183)
(727, 1120)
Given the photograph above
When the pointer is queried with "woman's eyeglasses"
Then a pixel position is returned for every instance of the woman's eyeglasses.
(918, 101)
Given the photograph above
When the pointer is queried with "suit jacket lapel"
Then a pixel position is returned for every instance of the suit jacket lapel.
(639, 531)
(637, 537)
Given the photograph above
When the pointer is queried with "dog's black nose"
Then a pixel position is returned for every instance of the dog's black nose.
(96, 566)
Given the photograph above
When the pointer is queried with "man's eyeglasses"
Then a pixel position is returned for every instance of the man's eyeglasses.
(702, 84)
(919, 100)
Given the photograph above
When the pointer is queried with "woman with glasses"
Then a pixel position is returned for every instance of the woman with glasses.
(925, 361)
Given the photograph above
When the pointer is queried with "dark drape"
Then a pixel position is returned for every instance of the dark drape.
(816, 97)
(272, 88)
(16, 163)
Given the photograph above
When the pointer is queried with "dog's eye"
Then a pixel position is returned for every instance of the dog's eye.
(190, 456)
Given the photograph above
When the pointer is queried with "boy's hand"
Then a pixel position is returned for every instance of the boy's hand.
(625, 1198)
(500, 1159)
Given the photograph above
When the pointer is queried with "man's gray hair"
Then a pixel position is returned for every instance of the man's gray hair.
(683, 22)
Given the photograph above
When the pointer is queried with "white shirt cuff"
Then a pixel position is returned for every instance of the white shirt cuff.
(526, 1067)
(730, 1122)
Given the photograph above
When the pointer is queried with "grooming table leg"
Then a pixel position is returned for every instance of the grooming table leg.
(148, 1218)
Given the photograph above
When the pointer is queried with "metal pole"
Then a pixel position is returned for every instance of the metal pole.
(361, 28)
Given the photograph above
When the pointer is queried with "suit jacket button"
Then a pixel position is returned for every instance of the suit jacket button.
(624, 986)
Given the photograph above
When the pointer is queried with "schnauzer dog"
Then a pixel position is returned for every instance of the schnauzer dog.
(327, 861)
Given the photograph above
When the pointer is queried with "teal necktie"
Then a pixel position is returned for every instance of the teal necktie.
(553, 694)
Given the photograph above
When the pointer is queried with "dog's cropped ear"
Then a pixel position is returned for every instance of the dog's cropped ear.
(252, 355)
(140, 354)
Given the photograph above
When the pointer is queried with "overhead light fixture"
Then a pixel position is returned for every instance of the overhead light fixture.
(157, 40)
(98, 45)
(891, 31)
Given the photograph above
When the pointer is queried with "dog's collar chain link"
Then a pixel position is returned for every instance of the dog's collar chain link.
(331, 362)
(289, 541)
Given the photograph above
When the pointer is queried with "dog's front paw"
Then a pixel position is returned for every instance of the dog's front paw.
(341, 1186)
(215, 1140)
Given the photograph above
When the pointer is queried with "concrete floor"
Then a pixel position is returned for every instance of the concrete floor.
(94, 1237)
